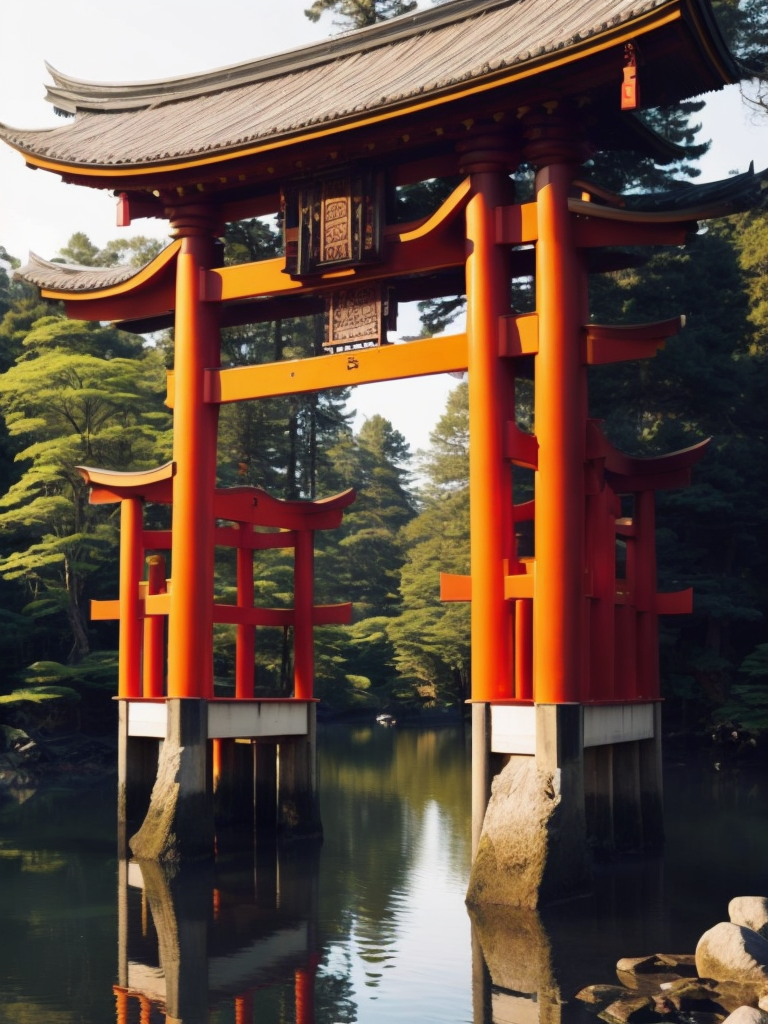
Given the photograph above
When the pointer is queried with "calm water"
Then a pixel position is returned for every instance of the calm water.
(371, 927)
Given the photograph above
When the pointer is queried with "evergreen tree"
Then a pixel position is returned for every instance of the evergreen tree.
(359, 13)
(431, 638)
(79, 394)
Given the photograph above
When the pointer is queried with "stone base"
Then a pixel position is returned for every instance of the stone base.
(533, 846)
(179, 823)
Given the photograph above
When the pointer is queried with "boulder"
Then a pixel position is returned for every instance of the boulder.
(659, 963)
(532, 847)
(730, 952)
(630, 1009)
(747, 1015)
(596, 997)
(750, 912)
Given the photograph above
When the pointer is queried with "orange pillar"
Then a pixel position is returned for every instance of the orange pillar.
(524, 649)
(190, 658)
(645, 595)
(131, 558)
(559, 425)
(245, 648)
(601, 552)
(121, 1005)
(304, 989)
(244, 1008)
(304, 609)
(154, 632)
(490, 516)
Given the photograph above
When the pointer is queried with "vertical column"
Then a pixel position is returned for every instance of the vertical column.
(487, 158)
(245, 645)
(154, 632)
(645, 595)
(559, 418)
(131, 556)
(304, 607)
(601, 552)
(190, 659)
(304, 991)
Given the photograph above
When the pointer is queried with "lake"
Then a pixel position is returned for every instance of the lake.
(371, 926)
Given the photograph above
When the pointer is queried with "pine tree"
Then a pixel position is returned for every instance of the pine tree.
(79, 394)
(359, 13)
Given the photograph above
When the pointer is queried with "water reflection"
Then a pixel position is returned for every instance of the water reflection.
(195, 943)
(371, 928)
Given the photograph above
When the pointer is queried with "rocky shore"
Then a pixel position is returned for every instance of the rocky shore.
(725, 980)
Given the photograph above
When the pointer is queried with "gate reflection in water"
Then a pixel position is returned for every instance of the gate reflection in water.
(272, 937)
(380, 912)
(194, 940)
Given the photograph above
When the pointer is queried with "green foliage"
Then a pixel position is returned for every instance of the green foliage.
(431, 639)
(359, 13)
(77, 394)
(135, 251)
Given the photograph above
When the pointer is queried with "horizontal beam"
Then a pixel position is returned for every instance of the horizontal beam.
(230, 614)
(342, 369)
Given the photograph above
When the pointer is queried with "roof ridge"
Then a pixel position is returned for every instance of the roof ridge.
(70, 94)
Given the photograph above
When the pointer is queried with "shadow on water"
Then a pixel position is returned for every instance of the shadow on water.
(371, 926)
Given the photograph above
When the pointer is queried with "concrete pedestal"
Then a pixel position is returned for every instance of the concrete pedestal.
(553, 783)
(179, 825)
(298, 810)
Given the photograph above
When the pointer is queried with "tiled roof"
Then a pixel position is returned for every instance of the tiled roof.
(379, 68)
(687, 202)
(70, 277)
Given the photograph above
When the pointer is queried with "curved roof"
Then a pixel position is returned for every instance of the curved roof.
(72, 277)
(370, 72)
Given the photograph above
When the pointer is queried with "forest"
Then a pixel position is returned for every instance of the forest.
(76, 393)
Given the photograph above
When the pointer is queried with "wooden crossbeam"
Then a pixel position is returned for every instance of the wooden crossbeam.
(342, 369)
(159, 604)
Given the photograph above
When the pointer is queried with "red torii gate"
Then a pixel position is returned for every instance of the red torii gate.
(143, 606)
(564, 660)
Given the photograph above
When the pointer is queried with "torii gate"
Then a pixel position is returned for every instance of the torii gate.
(565, 687)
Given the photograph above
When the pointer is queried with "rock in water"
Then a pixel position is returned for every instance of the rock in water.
(750, 912)
(747, 1015)
(530, 847)
(729, 952)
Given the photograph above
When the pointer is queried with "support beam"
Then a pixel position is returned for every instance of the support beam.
(342, 369)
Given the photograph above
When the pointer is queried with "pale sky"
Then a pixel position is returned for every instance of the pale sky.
(102, 40)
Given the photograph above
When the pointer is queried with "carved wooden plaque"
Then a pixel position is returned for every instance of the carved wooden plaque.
(333, 221)
(355, 316)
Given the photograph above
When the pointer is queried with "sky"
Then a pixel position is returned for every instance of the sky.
(107, 41)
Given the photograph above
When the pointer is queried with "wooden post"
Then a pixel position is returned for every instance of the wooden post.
(131, 558)
(304, 603)
(559, 422)
(645, 595)
(487, 159)
(154, 632)
(245, 648)
(190, 657)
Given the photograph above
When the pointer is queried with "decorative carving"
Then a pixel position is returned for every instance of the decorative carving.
(332, 222)
(358, 315)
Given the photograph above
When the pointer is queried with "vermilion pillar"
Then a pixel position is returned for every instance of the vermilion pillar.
(154, 632)
(190, 667)
(304, 607)
(559, 423)
(131, 564)
(487, 159)
(245, 648)
(304, 989)
(645, 594)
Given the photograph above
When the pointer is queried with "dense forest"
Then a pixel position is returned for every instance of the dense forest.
(74, 393)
